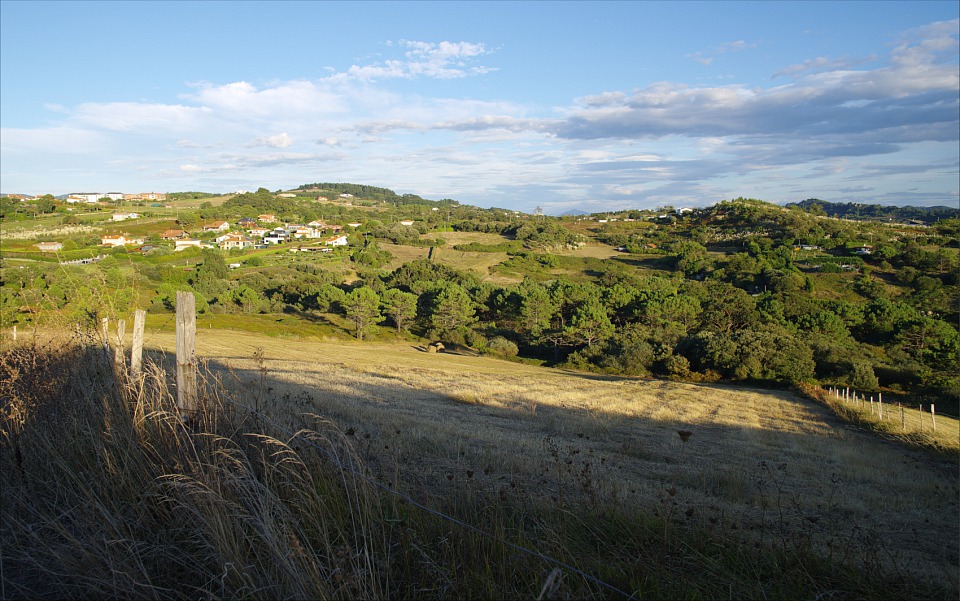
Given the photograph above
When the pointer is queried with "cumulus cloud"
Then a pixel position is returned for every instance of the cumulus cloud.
(278, 141)
(841, 101)
(436, 60)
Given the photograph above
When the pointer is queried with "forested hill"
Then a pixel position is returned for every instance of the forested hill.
(368, 192)
(855, 210)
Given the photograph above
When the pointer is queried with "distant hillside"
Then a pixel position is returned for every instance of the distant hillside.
(370, 193)
(854, 210)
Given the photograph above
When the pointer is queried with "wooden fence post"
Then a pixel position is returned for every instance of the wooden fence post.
(903, 419)
(14, 333)
(921, 417)
(933, 416)
(136, 349)
(118, 357)
(106, 334)
(186, 354)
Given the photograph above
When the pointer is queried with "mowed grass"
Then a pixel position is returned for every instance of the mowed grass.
(768, 467)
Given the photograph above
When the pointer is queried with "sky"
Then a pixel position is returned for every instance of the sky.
(587, 106)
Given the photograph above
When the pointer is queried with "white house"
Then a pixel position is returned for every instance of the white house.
(112, 240)
(277, 236)
(406, 222)
(306, 232)
(125, 216)
(120, 240)
(336, 241)
(85, 197)
(217, 226)
(190, 243)
(234, 241)
(49, 247)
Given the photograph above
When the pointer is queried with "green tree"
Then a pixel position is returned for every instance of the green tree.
(590, 323)
(690, 257)
(453, 311)
(400, 306)
(46, 203)
(536, 309)
(362, 307)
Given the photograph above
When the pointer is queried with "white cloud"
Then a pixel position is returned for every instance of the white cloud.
(442, 60)
(139, 117)
(278, 141)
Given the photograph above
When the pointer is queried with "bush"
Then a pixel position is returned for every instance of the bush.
(502, 347)
(862, 376)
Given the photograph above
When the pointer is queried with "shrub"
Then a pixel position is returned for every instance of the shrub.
(502, 347)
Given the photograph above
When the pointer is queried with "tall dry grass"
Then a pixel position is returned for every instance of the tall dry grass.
(106, 493)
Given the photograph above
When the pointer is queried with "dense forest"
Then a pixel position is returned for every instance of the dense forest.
(741, 291)
(855, 210)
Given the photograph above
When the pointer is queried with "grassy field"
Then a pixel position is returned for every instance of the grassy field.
(332, 469)
(767, 465)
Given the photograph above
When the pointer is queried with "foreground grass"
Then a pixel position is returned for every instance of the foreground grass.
(106, 493)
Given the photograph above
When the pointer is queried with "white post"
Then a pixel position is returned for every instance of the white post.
(136, 349)
(118, 352)
(933, 416)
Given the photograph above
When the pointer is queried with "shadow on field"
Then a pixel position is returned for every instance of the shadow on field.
(800, 477)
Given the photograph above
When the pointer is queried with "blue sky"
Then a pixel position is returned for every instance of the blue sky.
(569, 105)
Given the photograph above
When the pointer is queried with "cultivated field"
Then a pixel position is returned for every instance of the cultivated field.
(762, 466)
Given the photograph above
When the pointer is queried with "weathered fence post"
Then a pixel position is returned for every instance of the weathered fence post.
(106, 334)
(136, 349)
(14, 333)
(186, 354)
(118, 352)
(933, 416)
(921, 417)
(903, 419)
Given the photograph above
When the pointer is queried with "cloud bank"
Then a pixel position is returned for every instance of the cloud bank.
(815, 128)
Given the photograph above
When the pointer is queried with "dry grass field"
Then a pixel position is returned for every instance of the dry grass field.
(764, 466)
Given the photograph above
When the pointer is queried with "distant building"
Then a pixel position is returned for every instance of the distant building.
(336, 241)
(49, 247)
(125, 216)
(231, 241)
(173, 234)
(120, 240)
(84, 197)
(217, 226)
(189, 243)
(112, 240)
